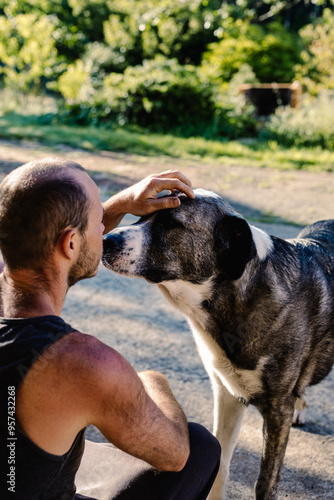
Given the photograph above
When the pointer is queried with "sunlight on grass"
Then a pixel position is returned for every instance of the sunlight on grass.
(266, 154)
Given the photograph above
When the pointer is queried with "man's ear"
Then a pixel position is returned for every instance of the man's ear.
(234, 246)
(69, 243)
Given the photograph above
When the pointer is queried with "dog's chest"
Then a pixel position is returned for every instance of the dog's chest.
(188, 298)
(243, 384)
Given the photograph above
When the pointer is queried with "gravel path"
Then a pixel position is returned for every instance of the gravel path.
(131, 316)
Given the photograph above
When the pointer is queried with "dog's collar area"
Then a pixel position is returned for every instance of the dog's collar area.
(242, 400)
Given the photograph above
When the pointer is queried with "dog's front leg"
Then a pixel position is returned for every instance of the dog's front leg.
(276, 428)
(228, 416)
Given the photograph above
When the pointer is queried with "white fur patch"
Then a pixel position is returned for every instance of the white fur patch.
(126, 261)
(187, 297)
(206, 194)
(240, 383)
(263, 242)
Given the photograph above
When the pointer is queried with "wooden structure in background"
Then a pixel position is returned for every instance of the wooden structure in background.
(266, 97)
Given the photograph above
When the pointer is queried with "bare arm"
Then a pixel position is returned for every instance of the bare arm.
(158, 390)
(141, 198)
(88, 382)
(137, 413)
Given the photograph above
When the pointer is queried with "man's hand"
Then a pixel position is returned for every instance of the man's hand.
(142, 198)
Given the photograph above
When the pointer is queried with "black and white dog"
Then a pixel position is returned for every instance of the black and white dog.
(261, 310)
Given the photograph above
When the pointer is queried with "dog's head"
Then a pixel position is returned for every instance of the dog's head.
(203, 237)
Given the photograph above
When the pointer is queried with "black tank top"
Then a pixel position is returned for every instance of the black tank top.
(26, 471)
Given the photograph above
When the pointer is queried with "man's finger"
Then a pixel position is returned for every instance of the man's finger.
(171, 184)
(174, 174)
(165, 202)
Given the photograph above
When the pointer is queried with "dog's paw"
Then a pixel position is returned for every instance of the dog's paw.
(299, 414)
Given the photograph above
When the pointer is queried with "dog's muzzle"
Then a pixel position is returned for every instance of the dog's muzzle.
(112, 246)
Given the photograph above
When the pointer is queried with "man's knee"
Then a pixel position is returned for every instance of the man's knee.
(203, 446)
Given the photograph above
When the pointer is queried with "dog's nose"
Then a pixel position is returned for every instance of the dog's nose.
(112, 243)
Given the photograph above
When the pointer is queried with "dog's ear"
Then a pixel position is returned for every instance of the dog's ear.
(234, 246)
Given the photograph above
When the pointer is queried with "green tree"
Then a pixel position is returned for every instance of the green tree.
(292, 13)
(139, 30)
(27, 50)
(272, 53)
(316, 72)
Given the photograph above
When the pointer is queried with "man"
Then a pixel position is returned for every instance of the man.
(54, 380)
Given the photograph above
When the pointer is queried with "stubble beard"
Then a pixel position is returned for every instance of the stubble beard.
(86, 265)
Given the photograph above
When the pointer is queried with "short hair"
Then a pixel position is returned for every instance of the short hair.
(37, 202)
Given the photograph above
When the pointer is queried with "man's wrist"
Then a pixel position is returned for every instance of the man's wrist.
(115, 209)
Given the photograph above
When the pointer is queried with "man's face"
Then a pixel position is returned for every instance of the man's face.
(90, 252)
(86, 265)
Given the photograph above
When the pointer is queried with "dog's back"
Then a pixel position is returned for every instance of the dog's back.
(321, 234)
(316, 248)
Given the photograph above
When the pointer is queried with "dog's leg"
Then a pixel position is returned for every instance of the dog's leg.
(276, 427)
(228, 415)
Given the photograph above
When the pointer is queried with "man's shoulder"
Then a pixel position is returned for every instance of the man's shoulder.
(81, 352)
(91, 367)
(80, 372)
(93, 377)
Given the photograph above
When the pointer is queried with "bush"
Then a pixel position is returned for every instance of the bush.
(161, 95)
(316, 71)
(271, 52)
(27, 51)
(311, 125)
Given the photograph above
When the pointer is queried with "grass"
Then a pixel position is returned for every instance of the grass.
(28, 125)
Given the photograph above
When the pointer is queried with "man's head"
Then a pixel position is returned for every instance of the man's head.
(41, 202)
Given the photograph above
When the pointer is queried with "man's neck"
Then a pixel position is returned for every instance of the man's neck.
(26, 294)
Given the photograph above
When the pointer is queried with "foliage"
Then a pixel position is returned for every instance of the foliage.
(74, 82)
(271, 52)
(317, 69)
(27, 50)
(142, 29)
(293, 14)
(160, 94)
(115, 34)
(69, 34)
(147, 62)
(310, 126)
(26, 104)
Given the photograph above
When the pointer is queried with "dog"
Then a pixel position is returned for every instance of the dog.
(261, 310)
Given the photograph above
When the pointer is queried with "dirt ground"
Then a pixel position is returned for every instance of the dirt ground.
(131, 316)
